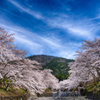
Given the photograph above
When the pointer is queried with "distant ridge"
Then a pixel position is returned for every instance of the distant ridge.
(59, 65)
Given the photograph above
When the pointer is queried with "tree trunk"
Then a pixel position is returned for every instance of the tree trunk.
(7, 87)
(98, 73)
(94, 77)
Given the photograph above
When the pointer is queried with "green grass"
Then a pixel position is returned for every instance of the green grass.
(11, 92)
(48, 90)
(92, 87)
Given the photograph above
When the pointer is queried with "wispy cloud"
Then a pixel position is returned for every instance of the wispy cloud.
(29, 45)
(78, 28)
(68, 30)
(68, 51)
(27, 10)
(58, 22)
(80, 32)
(94, 18)
(62, 22)
(29, 41)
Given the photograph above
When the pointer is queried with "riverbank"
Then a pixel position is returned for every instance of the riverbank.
(92, 90)
(13, 94)
(47, 93)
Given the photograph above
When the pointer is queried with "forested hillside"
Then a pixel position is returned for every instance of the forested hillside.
(57, 64)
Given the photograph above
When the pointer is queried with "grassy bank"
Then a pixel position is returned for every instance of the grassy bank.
(92, 87)
(11, 92)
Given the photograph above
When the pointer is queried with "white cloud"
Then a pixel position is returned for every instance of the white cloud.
(32, 36)
(78, 28)
(68, 51)
(62, 22)
(28, 11)
(36, 44)
(97, 17)
(27, 44)
(51, 43)
(67, 54)
(80, 32)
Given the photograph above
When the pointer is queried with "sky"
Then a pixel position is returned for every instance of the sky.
(51, 27)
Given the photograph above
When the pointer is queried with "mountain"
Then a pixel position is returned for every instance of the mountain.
(58, 65)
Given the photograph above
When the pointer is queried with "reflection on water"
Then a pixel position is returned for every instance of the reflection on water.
(51, 98)
(59, 96)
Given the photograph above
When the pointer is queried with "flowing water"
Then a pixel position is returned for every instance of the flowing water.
(60, 96)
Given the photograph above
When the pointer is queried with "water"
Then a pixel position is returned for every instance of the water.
(56, 98)
(60, 96)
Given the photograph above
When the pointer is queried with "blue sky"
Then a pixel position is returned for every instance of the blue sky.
(51, 27)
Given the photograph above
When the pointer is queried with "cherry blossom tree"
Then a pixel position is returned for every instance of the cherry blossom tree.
(86, 65)
(8, 53)
(19, 71)
(33, 79)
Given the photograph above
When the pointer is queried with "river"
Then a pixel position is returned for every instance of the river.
(59, 96)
